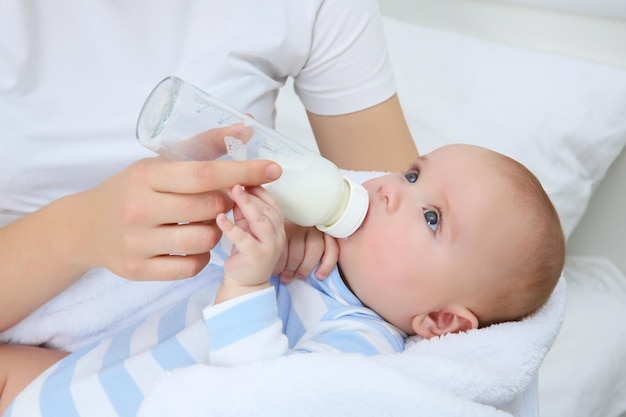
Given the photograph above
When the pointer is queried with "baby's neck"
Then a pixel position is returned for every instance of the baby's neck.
(345, 281)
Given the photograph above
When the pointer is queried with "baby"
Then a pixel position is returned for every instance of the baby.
(465, 238)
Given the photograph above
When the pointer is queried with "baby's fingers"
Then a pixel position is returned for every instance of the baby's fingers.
(234, 233)
(314, 249)
(256, 198)
(329, 258)
(263, 195)
(262, 219)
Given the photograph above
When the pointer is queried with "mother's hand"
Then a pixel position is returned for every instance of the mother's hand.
(139, 222)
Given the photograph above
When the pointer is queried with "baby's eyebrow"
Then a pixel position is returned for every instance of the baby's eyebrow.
(416, 165)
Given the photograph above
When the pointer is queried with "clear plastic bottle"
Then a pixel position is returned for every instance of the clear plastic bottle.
(181, 122)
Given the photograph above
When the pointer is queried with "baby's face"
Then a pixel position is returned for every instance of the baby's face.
(432, 238)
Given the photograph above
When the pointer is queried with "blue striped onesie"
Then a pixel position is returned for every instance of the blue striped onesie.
(112, 377)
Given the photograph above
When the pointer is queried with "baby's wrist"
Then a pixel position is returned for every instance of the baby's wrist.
(231, 289)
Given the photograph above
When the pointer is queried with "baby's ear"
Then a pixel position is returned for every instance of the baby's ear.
(448, 320)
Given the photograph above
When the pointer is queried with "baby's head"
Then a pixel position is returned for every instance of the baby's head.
(465, 238)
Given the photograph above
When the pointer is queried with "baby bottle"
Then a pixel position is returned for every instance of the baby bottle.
(181, 122)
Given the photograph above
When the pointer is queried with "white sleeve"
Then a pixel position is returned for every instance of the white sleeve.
(348, 68)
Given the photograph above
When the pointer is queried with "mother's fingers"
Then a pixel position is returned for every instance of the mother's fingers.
(169, 267)
(187, 239)
(167, 208)
(203, 176)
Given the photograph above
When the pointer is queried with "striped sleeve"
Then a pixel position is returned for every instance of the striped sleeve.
(245, 329)
(248, 328)
(353, 332)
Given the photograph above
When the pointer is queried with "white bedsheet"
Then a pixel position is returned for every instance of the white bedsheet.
(585, 372)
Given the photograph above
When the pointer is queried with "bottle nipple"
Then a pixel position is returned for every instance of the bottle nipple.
(354, 213)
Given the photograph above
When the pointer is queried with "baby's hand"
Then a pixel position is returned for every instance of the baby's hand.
(305, 248)
(258, 237)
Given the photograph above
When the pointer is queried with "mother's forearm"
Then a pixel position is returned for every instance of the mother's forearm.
(40, 257)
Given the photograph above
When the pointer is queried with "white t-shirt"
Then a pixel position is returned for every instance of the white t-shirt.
(74, 75)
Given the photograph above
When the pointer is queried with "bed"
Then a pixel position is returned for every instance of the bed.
(543, 81)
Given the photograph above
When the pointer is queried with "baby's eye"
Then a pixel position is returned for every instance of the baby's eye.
(411, 176)
(432, 219)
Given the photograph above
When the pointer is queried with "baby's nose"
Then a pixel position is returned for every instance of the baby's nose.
(391, 195)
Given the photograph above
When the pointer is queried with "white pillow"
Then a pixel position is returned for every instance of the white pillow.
(584, 374)
(563, 118)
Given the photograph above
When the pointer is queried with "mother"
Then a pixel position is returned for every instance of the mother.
(86, 213)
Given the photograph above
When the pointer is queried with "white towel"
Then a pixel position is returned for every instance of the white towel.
(483, 372)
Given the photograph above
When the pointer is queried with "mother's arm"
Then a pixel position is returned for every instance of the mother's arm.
(374, 139)
(128, 224)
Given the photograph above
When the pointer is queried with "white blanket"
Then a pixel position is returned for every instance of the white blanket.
(485, 372)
